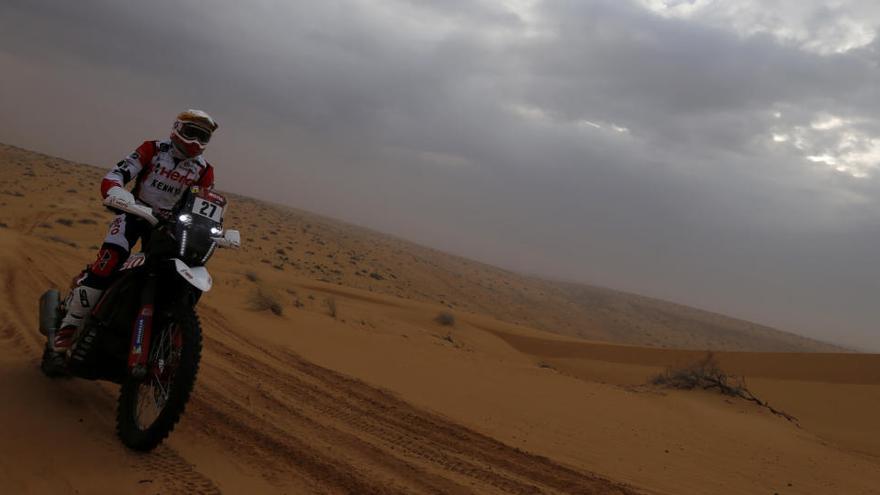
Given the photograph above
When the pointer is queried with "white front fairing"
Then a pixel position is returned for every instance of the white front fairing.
(198, 276)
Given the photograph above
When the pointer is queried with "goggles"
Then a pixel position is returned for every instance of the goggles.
(193, 132)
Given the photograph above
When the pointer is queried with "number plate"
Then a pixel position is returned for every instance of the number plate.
(208, 209)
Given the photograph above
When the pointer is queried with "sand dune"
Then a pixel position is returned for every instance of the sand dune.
(376, 396)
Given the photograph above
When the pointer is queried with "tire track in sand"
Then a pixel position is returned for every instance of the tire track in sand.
(290, 407)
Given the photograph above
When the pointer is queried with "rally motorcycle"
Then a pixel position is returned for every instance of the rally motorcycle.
(144, 333)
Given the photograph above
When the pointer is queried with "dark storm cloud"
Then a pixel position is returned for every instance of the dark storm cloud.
(589, 140)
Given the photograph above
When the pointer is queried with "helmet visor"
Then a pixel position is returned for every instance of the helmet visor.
(193, 132)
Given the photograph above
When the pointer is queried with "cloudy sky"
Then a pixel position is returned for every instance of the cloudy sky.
(723, 154)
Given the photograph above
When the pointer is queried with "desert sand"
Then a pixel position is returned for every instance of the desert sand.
(355, 387)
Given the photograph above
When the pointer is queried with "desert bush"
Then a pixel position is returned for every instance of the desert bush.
(62, 240)
(703, 374)
(446, 319)
(3, 225)
(65, 221)
(86, 221)
(251, 275)
(706, 374)
(262, 300)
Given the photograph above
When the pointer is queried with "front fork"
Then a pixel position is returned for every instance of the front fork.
(141, 330)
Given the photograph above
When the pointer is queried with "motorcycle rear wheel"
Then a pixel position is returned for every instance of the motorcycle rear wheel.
(173, 365)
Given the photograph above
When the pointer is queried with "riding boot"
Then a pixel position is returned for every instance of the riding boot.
(79, 303)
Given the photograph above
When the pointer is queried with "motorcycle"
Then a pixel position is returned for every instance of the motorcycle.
(144, 332)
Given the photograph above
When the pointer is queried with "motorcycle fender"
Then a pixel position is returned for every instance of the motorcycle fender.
(198, 276)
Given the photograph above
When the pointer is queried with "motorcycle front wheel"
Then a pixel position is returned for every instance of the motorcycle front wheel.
(149, 408)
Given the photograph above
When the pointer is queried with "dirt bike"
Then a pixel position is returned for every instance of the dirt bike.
(144, 333)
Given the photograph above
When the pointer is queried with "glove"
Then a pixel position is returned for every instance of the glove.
(230, 239)
(118, 198)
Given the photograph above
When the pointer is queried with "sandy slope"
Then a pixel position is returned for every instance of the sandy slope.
(382, 399)
(308, 245)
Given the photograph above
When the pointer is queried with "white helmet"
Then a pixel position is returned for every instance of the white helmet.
(191, 132)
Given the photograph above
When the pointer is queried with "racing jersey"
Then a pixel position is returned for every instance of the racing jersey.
(161, 178)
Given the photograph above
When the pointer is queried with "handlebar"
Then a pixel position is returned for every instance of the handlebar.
(229, 239)
(135, 209)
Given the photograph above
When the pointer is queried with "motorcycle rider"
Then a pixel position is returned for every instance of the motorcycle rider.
(162, 171)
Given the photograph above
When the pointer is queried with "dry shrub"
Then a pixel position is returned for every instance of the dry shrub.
(706, 374)
(703, 374)
(62, 240)
(252, 276)
(446, 319)
(65, 221)
(263, 300)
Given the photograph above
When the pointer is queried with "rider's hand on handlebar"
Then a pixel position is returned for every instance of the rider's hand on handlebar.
(119, 198)
(122, 200)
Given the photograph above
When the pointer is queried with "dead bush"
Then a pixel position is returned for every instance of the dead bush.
(703, 374)
(446, 319)
(252, 276)
(706, 374)
(262, 300)
(65, 221)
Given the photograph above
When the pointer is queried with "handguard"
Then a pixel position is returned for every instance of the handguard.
(122, 200)
(230, 239)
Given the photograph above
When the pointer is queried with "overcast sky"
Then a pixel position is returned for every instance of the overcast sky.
(723, 154)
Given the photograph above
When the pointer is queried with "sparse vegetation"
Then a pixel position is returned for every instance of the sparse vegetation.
(86, 221)
(251, 275)
(446, 319)
(703, 374)
(3, 225)
(262, 300)
(62, 240)
(706, 374)
(65, 221)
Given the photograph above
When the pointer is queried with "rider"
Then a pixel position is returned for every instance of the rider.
(162, 171)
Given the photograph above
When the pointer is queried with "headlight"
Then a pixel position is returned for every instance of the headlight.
(185, 218)
(216, 231)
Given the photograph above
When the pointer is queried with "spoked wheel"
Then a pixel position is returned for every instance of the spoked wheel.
(149, 408)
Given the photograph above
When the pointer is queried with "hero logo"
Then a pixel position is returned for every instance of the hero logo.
(173, 175)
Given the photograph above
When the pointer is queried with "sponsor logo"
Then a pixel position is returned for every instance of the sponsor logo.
(84, 298)
(171, 174)
(139, 336)
(156, 184)
(134, 261)
(104, 257)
